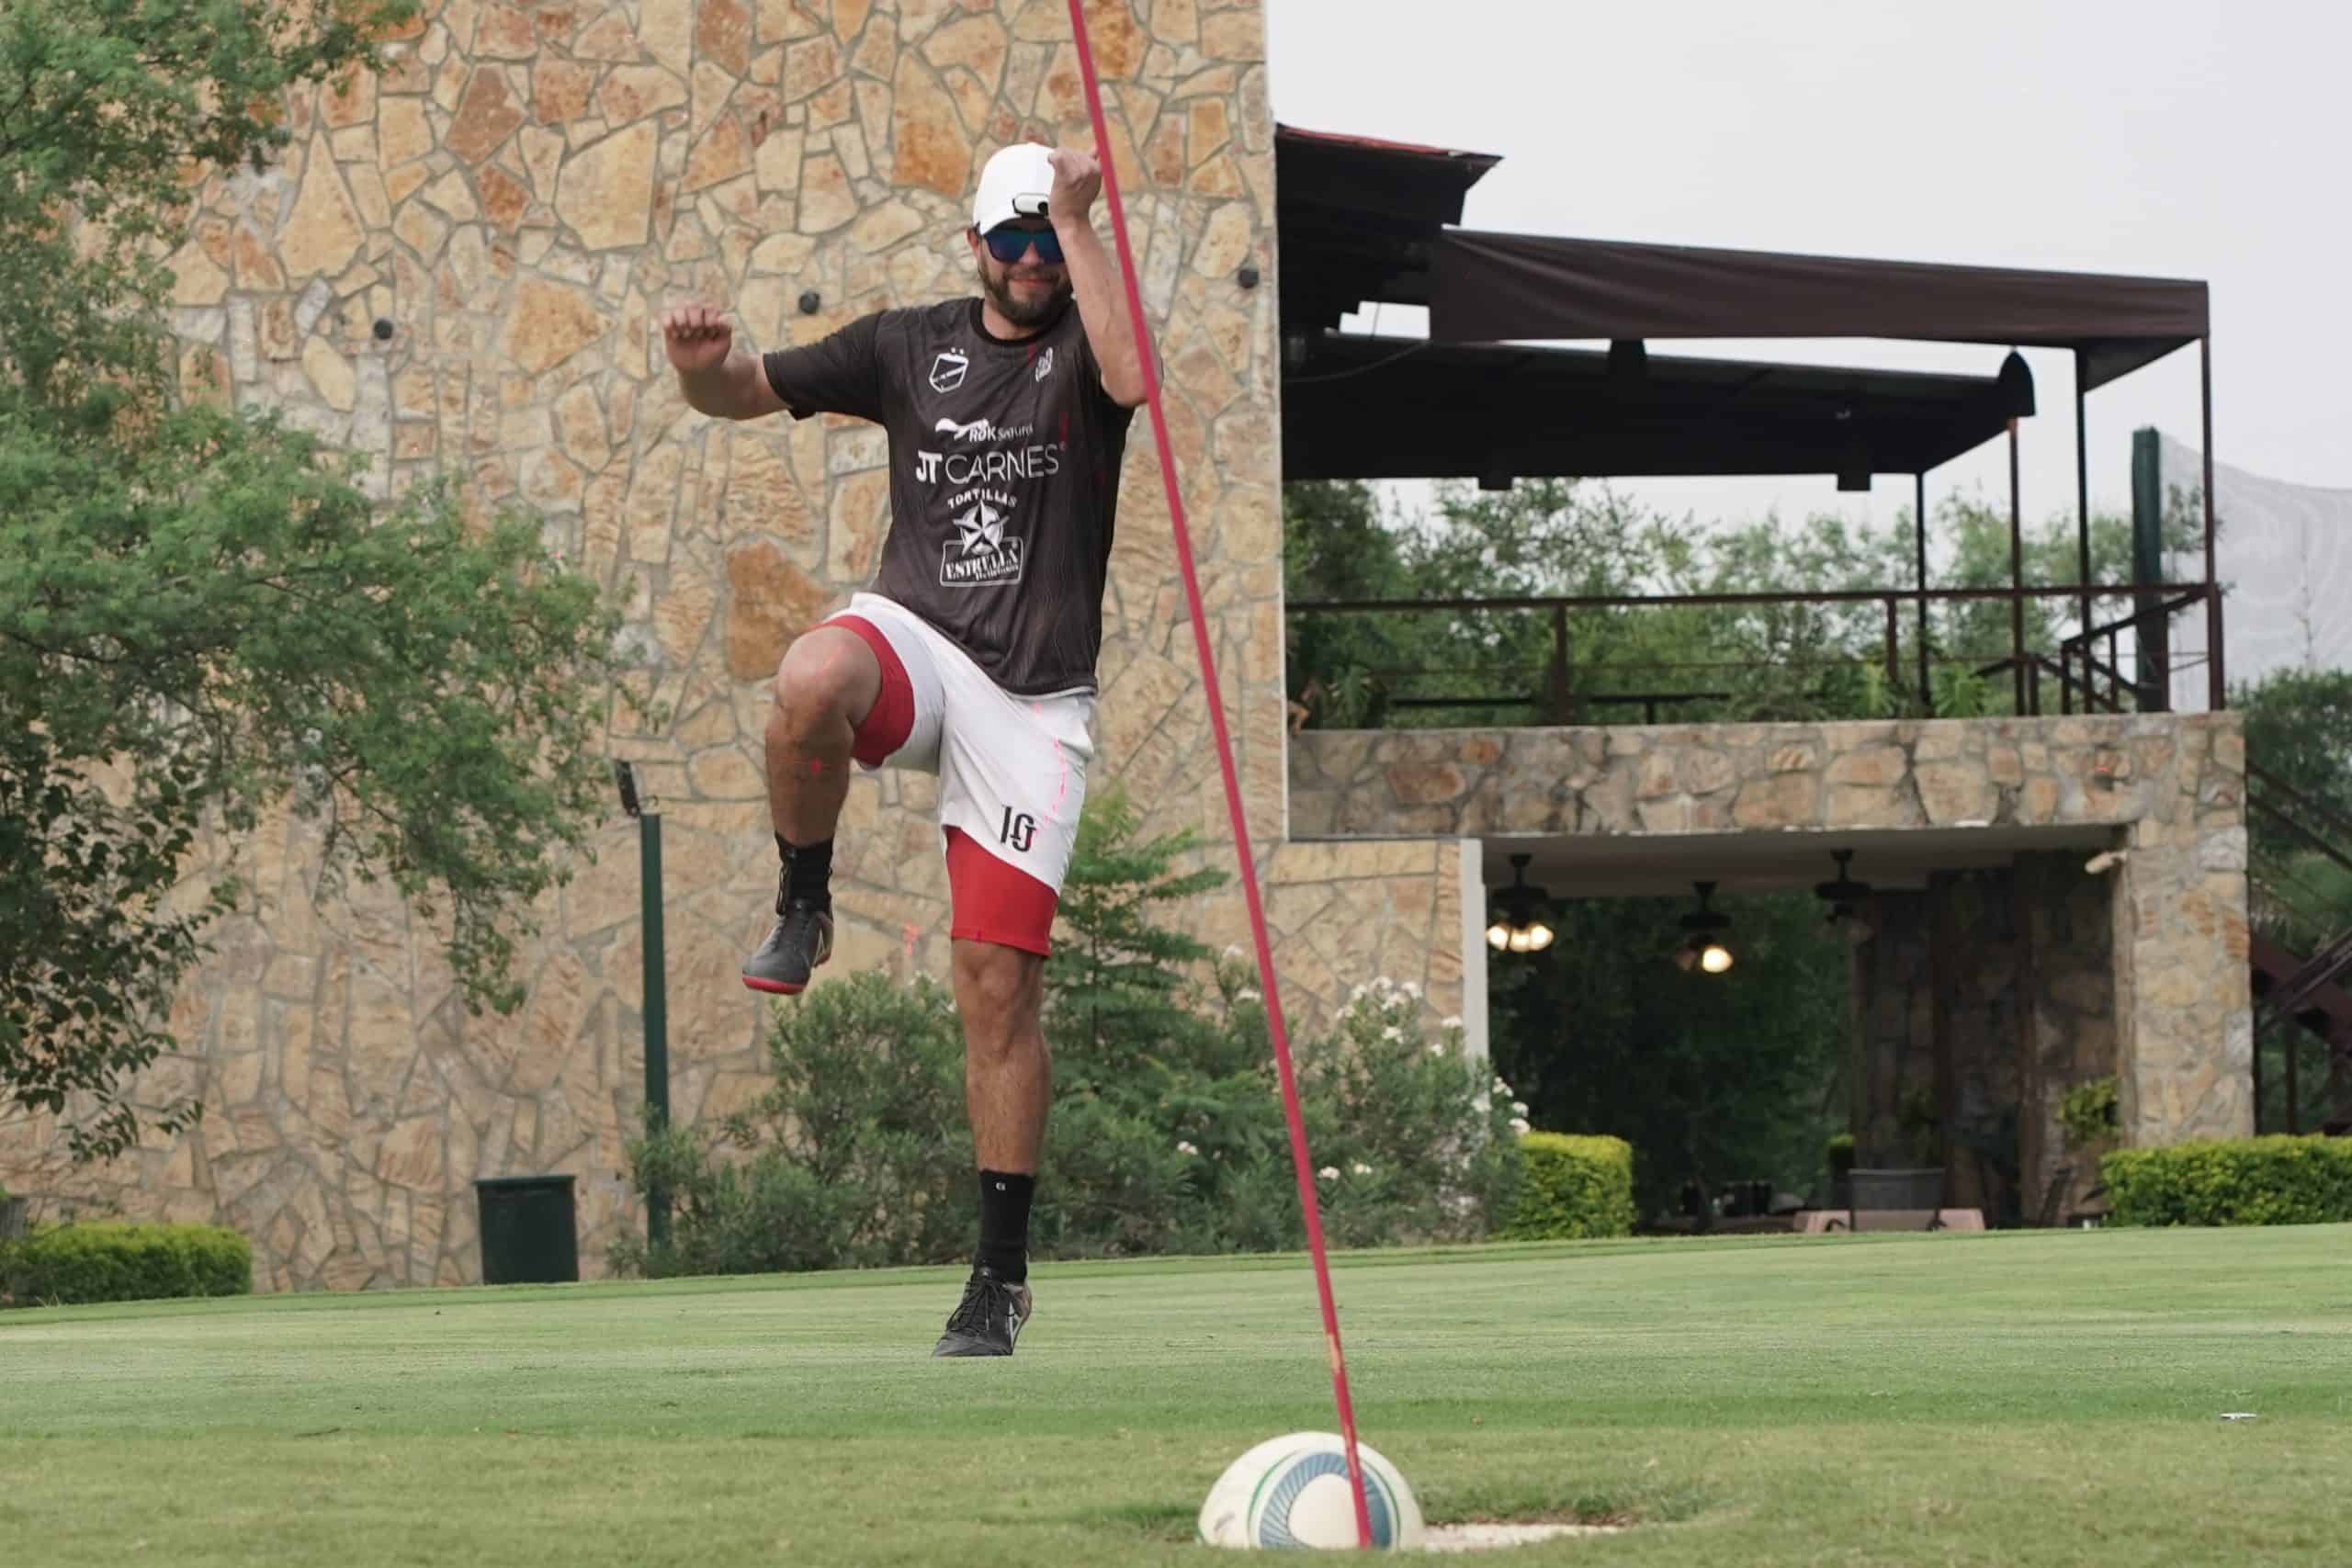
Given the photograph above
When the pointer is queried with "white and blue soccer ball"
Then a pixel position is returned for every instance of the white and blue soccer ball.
(1293, 1491)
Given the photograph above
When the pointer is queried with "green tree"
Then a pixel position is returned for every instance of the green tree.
(1121, 985)
(1711, 1078)
(1338, 546)
(2298, 731)
(1158, 1043)
(1798, 658)
(203, 614)
(1541, 537)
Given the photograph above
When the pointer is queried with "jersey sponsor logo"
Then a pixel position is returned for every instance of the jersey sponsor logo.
(981, 554)
(1020, 831)
(1000, 467)
(1045, 364)
(947, 370)
(981, 430)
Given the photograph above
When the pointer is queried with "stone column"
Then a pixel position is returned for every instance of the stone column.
(2067, 921)
(2184, 1002)
(1979, 967)
(1893, 1022)
(1471, 879)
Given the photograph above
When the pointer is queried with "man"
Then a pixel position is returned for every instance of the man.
(973, 654)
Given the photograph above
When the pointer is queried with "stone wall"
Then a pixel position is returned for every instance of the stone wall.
(453, 270)
(2068, 925)
(1892, 992)
(2170, 787)
(1980, 1001)
(1937, 1078)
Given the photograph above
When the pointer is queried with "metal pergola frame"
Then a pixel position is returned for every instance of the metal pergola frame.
(1372, 221)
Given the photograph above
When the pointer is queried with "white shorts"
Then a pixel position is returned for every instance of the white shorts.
(1012, 771)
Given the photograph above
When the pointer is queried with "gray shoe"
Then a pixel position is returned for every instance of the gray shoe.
(988, 1320)
(802, 939)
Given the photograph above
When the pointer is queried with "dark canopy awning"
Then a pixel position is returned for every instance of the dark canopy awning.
(1389, 408)
(1510, 288)
(1356, 216)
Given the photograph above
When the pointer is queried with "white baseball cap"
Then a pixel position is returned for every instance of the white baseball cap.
(1014, 185)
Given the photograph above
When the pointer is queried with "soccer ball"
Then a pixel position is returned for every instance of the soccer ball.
(1293, 1491)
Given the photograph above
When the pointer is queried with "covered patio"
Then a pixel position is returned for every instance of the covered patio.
(1373, 221)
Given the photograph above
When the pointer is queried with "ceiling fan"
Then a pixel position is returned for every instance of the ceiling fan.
(1844, 894)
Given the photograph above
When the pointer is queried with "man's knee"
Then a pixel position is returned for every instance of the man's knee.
(999, 991)
(828, 675)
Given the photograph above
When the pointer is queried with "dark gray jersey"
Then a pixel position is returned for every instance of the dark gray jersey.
(1004, 479)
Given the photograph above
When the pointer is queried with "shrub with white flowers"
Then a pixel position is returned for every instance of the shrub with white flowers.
(1430, 1157)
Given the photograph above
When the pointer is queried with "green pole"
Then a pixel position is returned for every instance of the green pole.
(2148, 566)
(657, 1015)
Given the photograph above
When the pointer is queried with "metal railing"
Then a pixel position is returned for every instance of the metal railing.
(2082, 647)
(1558, 700)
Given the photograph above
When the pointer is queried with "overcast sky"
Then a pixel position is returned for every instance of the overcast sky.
(2169, 137)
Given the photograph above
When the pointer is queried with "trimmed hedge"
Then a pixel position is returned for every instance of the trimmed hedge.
(2274, 1180)
(1574, 1187)
(113, 1261)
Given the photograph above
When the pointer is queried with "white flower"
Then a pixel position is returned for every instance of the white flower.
(1438, 1049)
(1248, 994)
(1361, 1168)
(1233, 950)
(1413, 989)
(1518, 1108)
(1329, 1173)
(1392, 1033)
(1355, 995)
(1502, 1087)
(1450, 1020)
(1518, 1125)
(1382, 982)
(1184, 1148)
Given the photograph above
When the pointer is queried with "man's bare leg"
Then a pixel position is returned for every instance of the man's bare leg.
(824, 688)
(1008, 1084)
(1008, 1072)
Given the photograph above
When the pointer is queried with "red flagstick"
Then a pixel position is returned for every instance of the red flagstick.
(1298, 1156)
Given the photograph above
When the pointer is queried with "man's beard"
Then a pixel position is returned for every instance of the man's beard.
(1019, 311)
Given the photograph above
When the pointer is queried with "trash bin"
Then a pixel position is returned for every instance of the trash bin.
(530, 1233)
(1899, 1189)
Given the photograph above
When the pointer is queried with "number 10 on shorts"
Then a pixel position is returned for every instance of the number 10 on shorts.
(1020, 831)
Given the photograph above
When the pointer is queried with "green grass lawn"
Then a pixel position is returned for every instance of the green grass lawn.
(2019, 1398)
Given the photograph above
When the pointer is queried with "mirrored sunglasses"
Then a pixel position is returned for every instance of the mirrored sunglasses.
(1009, 244)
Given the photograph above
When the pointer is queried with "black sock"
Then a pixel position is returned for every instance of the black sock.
(808, 871)
(1004, 1222)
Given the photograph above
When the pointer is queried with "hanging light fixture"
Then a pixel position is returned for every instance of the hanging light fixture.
(2013, 388)
(1519, 925)
(1702, 950)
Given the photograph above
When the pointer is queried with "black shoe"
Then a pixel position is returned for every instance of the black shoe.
(988, 1320)
(802, 939)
